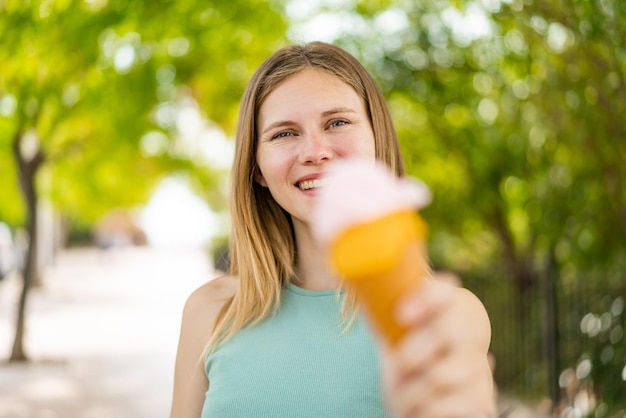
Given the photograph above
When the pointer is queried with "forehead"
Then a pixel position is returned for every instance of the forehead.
(310, 88)
(311, 74)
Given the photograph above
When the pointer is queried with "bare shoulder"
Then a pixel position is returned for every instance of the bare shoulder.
(201, 309)
(215, 290)
(199, 314)
(472, 312)
(466, 307)
(206, 301)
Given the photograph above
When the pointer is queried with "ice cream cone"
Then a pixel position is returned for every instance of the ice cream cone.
(383, 260)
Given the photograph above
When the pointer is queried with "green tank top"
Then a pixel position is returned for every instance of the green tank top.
(297, 364)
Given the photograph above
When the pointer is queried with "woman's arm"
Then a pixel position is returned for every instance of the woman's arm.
(441, 368)
(199, 313)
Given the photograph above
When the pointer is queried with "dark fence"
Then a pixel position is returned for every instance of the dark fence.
(555, 336)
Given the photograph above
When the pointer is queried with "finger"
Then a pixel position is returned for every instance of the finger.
(475, 401)
(423, 305)
(419, 350)
(450, 390)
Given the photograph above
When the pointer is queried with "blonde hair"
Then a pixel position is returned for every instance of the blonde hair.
(263, 245)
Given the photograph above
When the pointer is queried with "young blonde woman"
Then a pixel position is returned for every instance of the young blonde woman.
(278, 337)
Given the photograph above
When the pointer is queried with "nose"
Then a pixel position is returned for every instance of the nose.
(315, 148)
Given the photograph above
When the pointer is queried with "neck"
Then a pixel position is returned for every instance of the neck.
(312, 269)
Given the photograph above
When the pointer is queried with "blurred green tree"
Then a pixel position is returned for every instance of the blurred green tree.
(91, 91)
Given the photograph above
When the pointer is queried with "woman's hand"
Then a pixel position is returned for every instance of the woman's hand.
(440, 369)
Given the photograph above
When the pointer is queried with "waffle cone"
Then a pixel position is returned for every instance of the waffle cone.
(383, 261)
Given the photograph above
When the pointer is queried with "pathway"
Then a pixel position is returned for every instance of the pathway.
(102, 333)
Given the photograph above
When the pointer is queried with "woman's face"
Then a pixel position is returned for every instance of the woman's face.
(309, 120)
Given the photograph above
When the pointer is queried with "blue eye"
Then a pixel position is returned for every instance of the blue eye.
(338, 122)
(282, 134)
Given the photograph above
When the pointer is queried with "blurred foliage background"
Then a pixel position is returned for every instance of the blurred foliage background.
(512, 111)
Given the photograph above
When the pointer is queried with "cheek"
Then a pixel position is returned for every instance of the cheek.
(362, 146)
(369, 149)
(271, 165)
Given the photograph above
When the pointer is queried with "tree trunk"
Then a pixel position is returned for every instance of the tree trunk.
(551, 330)
(27, 170)
(30, 267)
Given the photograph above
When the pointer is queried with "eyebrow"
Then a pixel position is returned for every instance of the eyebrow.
(325, 113)
(336, 110)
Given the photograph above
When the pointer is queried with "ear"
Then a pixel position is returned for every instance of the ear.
(258, 177)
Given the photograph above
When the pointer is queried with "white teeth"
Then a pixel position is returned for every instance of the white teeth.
(312, 184)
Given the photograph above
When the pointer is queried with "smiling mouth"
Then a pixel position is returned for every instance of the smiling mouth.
(311, 184)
